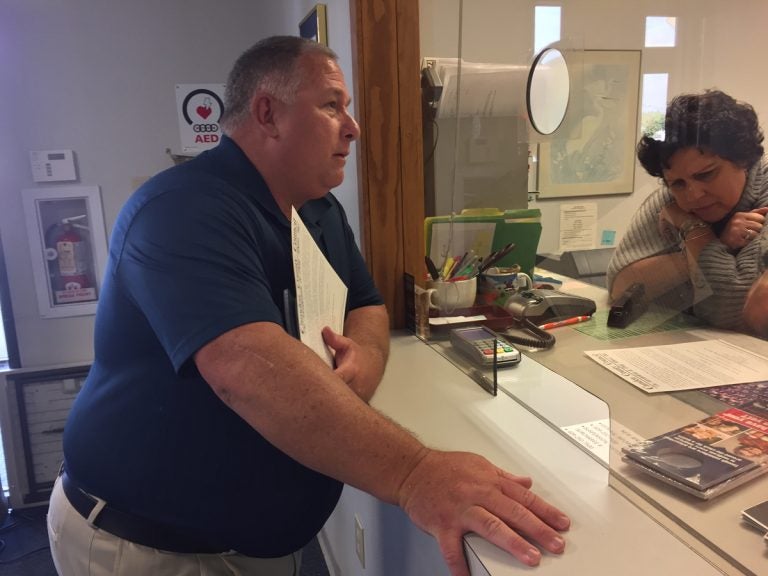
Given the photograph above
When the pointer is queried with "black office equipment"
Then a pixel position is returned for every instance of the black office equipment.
(530, 308)
(628, 306)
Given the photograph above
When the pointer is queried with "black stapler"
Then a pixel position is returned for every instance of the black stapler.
(628, 306)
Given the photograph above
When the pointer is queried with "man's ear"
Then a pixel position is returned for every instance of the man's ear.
(263, 110)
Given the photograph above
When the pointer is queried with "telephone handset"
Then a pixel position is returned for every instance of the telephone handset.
(533, 307)
(541, 305)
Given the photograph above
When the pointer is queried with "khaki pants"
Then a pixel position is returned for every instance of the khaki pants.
(81, 550)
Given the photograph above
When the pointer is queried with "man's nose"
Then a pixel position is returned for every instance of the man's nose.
(351, 129)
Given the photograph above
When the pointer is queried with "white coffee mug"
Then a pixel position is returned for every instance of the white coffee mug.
(452, 295)
(502, 280)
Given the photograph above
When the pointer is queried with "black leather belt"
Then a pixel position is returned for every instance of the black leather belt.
(135, 529)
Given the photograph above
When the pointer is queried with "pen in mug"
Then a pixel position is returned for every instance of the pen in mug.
(431, 268)
(459, 265)
(470, 268)
(496, 256)
(455, 268)
(446, 268)
(566, 322)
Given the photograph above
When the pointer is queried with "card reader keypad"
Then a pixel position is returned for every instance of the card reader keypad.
(486, 347)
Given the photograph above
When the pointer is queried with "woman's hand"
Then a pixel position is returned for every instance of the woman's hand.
(743, 227)
(756, 307)
(673, 216)
(671, 219)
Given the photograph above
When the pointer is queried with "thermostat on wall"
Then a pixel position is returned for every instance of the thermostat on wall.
(52, 165)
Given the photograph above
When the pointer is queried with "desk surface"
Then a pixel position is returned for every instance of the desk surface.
(711, 527)
(425, 393)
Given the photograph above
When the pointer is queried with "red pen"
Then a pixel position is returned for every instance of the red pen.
(566, 322)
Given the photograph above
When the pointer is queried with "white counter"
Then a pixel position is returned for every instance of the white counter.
(446, 409)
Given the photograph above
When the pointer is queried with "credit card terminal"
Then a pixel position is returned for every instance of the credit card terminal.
(476, 342)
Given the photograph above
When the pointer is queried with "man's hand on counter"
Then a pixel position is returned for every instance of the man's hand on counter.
(449, 494)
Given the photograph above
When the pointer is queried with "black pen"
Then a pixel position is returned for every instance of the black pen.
(431, 268)
(496, 256)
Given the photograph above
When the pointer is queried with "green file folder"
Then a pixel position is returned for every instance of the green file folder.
(485, 231)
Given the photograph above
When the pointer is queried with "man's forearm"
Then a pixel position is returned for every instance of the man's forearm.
(286, 393)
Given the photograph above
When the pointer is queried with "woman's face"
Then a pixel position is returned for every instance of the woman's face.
(704, 184)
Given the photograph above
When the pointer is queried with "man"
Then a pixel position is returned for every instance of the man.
(207, 432)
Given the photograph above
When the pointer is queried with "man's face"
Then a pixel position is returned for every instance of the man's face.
(315, 131)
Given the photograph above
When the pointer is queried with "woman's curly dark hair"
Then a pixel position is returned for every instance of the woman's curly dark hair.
(711, 121)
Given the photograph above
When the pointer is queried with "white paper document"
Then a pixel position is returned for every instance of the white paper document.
(321, 296)
(603, 438)
(687, 366)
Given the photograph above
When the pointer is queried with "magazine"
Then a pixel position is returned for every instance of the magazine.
(752, 397)
(708, 457)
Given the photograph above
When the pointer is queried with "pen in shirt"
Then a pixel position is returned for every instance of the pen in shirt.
(566, 322)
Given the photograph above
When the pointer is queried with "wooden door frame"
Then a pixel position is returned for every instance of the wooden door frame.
(386, 86)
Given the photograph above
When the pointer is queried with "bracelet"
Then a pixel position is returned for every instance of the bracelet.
(701, 234)
(690, 225)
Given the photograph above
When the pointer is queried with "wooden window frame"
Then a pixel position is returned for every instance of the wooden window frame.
(385, 48)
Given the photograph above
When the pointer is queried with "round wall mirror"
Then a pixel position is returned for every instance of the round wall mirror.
(548, 90)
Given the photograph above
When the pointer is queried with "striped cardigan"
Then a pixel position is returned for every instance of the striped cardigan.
(717, 292)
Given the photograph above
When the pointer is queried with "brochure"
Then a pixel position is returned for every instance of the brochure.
(708, 457)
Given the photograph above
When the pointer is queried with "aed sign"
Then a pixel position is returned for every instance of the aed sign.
(200, 107)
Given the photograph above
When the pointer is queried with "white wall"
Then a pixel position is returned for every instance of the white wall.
(720, 44)
(98, 77)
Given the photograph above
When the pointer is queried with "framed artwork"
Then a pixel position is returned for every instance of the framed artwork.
(68, 247)
(313, 25)
(593, 151)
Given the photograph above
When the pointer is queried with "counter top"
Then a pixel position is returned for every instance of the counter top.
(427, 394)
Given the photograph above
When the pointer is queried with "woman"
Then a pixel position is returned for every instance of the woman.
(698, 240)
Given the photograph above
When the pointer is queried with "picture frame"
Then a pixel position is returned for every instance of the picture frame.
(314, 26)
(592, 153)
(68, 248)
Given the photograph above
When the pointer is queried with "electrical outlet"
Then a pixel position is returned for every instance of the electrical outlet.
(360, 541)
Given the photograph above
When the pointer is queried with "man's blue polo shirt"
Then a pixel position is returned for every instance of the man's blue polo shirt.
(198, 250)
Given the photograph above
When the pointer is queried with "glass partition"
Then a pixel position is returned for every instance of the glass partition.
(522, 226)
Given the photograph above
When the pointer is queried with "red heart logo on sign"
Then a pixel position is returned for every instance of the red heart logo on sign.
(203, 111)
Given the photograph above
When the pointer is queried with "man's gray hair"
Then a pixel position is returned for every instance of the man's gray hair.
(270, 65)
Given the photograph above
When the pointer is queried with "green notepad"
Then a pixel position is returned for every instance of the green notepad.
(485, 231)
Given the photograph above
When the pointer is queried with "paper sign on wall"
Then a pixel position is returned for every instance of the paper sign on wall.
(200, 107)
(578, 226)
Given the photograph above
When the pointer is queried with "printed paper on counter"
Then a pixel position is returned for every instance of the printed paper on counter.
(687, 366)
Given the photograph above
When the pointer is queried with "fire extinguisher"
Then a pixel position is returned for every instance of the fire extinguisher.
(73, 255)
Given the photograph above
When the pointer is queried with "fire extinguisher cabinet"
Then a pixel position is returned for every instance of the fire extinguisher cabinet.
(68, 248)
